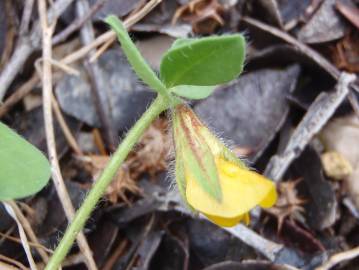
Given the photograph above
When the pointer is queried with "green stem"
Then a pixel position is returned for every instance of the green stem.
(83, 213)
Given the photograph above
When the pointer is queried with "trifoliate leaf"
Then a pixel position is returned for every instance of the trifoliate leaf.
(205, 61)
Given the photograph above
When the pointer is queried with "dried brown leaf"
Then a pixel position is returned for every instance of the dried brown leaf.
(349, 11)
(150, 156)
(204, 15)
(345, 54)
(288, 205)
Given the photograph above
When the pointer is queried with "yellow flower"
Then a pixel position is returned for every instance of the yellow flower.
(211, 179)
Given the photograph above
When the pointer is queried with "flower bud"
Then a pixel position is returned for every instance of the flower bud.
(210, 178)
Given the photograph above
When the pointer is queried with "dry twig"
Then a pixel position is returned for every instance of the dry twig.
(31, 244)
(19, 94)
(339, 257)
(274, 252)
(47, 31)
(20, 55)
(119, 250)
(319, 112)
(26, 45)
(303, 48)
(22, 234)
(315, 56)
(65, 128)
(26, 16)
(110, 35)
(267, 248)
(29, 231)
(96, 80)
(78, 23)
(316, 117)
(22, 52)
(14, 262)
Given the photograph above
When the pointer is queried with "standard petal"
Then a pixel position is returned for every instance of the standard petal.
(242, 190)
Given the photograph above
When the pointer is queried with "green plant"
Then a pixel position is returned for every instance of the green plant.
(24, 170)
(190, 69)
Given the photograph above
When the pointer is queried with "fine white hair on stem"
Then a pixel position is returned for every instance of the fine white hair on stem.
(171, 175)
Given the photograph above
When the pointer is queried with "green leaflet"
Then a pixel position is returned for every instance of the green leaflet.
(24, 170)
(181, 42)
(142, 69)
(207, 61)
(192, 67)
(192, 91)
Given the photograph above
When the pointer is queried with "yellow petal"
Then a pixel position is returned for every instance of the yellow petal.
(229, 222)
(242, 190)
(270, 199)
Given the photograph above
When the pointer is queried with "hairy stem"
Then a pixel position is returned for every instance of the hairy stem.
(83, 213)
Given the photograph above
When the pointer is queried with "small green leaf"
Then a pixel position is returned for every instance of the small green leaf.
(140, 66)
(24, 170)
(205, 61)
(182, 41)
(192, 91)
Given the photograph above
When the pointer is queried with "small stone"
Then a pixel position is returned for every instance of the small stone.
(123, 94)
(324, 26)
(86, 142)
(251, 109)
(336, 166)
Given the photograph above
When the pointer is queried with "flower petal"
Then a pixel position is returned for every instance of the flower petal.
(242, 190)
(229, 222)
(270, 199)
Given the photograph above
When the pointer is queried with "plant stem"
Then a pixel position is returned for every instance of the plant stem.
(159, 105)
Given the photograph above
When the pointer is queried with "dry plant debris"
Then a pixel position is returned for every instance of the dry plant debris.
(204, 15)
(289, 204)
(345, 54)
(150, 156)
